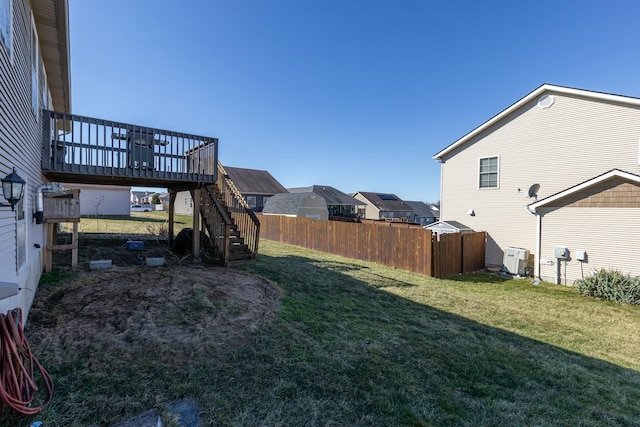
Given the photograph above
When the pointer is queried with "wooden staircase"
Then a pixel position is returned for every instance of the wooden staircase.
(234, 229)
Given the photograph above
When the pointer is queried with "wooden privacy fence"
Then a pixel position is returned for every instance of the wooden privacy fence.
(397, 245)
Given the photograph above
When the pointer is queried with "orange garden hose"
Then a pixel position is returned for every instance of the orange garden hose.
(17, 368)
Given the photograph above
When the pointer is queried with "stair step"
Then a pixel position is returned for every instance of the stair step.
(238, 251)
(240, 256)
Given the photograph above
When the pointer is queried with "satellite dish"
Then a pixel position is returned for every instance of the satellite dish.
(533, 190)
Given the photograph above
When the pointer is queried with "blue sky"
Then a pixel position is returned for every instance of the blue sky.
(354, 94)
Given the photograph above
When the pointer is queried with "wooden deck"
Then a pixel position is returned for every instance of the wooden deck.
(96, 151)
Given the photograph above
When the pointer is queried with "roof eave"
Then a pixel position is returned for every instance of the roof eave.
(52, 23)
(439, 156)
(586, 184)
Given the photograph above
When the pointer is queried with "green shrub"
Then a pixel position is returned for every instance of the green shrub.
(611, 285)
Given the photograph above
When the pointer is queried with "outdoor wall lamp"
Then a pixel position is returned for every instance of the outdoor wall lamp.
(12, 189)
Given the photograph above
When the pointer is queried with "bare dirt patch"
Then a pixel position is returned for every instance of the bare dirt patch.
(191, 309)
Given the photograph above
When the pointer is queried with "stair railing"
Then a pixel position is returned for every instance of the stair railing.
(218, 224)
(245, 219)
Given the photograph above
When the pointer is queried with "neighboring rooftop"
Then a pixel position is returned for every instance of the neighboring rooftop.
(330, 195)
(252, 181)
(386, 201)
(421, 209)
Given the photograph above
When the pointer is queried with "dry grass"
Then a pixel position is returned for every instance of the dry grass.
(357, 344)
(148, 223)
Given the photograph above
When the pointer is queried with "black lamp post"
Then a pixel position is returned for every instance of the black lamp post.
(12, 188)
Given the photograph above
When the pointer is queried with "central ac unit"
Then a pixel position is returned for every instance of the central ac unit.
(515, 260)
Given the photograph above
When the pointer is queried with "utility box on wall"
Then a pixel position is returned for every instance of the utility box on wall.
(560, 252)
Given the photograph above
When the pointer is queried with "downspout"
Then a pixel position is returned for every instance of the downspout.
(40, 190)
(441, 162)
(536, 256)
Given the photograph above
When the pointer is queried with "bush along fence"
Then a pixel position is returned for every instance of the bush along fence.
(396, 245)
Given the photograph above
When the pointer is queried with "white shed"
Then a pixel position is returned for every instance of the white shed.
(98, 200)
(442, 227)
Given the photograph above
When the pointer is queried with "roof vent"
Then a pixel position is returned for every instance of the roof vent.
(546, 101)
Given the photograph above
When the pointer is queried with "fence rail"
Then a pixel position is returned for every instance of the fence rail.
(397, 245)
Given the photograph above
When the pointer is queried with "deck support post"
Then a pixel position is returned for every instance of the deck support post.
(195, 194)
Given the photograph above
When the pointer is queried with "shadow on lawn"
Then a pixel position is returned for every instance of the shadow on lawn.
(341, 351)
(380, 280)
(353, 354)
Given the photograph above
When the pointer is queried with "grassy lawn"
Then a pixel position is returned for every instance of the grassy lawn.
(356, 344)
(151, 223)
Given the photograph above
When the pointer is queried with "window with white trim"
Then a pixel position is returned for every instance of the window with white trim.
(5, 24)
(488, 172)
(251, 201)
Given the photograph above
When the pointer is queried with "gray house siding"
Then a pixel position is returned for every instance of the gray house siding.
(20, 147)
(575, 139)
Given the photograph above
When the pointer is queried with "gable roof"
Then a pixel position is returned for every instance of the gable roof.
(533, 95)
(386, 202)
(421, 209)
(330, 195)
(285, 203)
(614, 173)
(252, 181)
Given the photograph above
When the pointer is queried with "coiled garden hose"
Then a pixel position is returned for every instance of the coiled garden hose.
(18, 367)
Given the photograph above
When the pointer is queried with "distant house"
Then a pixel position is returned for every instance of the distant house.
(384, 206)
(301, 205)
(102, 199)
(183, 204)
(256, 186)
(143, 197)
(338, 203)
(557, 174)
(422, 214)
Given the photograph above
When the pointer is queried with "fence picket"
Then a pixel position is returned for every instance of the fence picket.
(395, 245)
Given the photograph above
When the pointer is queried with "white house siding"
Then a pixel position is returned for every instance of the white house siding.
(572, 141)
(103, 199)
(184, 203)
(20, 147)
(610, 236)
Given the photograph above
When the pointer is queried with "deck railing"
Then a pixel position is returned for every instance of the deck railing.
(85, 146)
